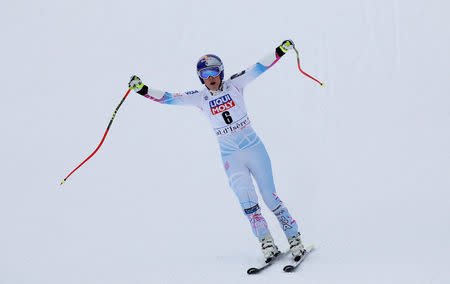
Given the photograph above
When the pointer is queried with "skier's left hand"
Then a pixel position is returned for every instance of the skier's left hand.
(287, 45)
(135, 83)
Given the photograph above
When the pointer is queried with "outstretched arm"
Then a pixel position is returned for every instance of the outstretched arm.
(243, 78)
(186, 98)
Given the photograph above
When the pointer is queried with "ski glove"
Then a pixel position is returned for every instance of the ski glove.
(286, 45)
(135, 83)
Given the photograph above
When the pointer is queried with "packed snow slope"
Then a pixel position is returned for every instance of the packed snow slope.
(363, 163)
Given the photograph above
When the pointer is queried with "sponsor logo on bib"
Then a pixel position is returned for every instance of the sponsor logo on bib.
(221, 104)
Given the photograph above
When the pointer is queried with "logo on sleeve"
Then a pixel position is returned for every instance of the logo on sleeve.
(221, 104)
(237, 75)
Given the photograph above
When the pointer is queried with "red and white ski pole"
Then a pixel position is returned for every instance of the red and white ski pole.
(304, 73)
(103, 139)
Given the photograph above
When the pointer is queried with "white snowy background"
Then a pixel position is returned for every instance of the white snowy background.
(363, 164)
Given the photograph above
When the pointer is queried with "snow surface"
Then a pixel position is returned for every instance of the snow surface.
(363, 164)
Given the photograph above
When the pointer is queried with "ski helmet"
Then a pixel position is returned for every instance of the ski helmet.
(209, 65)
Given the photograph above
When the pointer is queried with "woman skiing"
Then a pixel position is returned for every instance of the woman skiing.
(243, 153)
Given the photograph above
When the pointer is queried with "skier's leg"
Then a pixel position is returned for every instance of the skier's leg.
(240, 181)
(260, 167)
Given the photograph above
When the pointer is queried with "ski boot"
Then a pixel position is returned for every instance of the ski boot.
(269, 249)
(296, 247)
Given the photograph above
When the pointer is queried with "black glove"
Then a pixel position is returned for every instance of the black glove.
(135, 83)
(284, 47)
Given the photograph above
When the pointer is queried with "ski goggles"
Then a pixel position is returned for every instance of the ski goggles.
(213, 71)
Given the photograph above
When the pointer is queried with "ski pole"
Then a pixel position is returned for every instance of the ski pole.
(101, 142)
(304, 73)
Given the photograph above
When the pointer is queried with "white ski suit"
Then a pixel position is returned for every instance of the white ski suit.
(243, 153)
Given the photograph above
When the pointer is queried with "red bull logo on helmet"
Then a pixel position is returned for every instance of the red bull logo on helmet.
(210, 61)
(221, 104)
(204, 59)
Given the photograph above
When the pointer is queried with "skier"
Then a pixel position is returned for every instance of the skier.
(243, 153)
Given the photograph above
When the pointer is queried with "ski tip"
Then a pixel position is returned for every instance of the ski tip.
(63, 182)
(252, 270)
(322, 84)
(309, 248)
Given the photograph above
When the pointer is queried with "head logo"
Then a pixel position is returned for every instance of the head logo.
(205, 59)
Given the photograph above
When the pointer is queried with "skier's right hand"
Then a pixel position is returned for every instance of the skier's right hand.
(135, 83)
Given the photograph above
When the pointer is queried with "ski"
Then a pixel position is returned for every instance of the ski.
(257, 269)
(291, 267)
